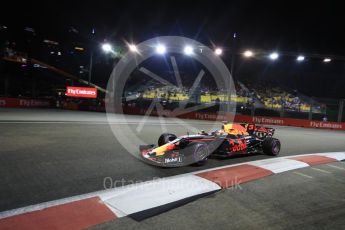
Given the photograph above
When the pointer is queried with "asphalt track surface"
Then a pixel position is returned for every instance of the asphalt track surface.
(308, 198)
(52, 154)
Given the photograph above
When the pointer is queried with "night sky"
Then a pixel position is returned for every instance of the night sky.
(285, 26)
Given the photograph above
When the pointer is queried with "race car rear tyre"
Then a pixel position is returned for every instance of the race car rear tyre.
(271, 146)
(165, 138)
(200, 153)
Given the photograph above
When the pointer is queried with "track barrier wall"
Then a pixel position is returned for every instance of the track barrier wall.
(211, 116)
(245, 118)
(23, 103)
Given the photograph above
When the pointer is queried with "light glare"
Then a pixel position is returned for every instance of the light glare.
(188, 50)
(218, 51)
(248, 53)
(133, 48)
(161, 49)
(274, 56)
(107, 47)
(300, 58)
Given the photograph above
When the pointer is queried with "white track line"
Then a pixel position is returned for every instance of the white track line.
(103, 194)
(304, 175)
(336, 167)
(321, 170)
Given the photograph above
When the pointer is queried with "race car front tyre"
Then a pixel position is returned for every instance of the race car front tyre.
(200, 153)
(165, 138)
(271, 146)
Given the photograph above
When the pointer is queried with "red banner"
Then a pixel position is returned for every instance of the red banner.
(244, 118)
(21, 102)
(81, 92)
(236, 118)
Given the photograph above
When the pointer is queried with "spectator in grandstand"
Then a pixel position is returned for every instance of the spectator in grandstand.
(275, 97)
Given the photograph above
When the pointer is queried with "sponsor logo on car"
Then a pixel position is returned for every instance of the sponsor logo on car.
(237, 145)
(173, 160)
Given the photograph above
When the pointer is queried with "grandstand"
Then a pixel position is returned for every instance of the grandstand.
(251, 98)
(275, 97)
(175, 94)
(260, 95)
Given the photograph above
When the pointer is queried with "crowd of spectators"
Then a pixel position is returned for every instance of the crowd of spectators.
(267, 95)
(275, 97)
(205, 94)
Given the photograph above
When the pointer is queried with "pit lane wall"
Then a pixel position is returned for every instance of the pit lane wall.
(23, 103)
(244, 118)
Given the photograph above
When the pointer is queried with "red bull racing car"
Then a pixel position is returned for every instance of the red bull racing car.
(231, 139)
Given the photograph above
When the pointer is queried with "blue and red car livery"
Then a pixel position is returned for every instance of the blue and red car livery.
(231, 139)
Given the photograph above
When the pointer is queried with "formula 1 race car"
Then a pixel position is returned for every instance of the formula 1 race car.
(231, 139)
